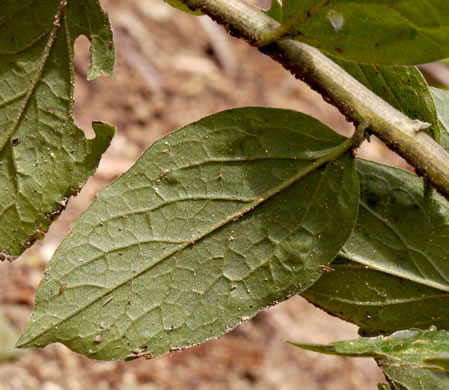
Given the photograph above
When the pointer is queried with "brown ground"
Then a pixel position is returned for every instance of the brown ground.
(174, 69)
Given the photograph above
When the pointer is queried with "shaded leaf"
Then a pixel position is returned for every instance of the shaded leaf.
(275, 10)
(388, 32)
(399, 231)
(405, 378)
(44, 157)
(377, 302)
(441, 99)
(406, 348)
(213, 223)
(8, 338)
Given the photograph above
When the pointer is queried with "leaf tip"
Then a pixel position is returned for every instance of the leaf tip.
(321, 348)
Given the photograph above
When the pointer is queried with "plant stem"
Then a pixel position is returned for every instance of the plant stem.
(401, 134)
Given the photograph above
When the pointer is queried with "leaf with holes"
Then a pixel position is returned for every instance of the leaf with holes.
(388, 32)
(214, 222)
(44, 157)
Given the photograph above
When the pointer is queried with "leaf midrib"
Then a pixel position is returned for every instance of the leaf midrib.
(371, 303)
(337, 152)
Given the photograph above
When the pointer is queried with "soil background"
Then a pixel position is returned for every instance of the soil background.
(173, 69)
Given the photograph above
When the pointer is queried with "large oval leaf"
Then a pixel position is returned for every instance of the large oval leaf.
(44, 157)
(400, 231)
(388, 32)
(213, 223)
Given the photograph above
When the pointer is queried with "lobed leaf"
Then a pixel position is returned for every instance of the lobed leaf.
(389, 32)
(427, 349)
(404, 378)
(213, 223)
(44, 157)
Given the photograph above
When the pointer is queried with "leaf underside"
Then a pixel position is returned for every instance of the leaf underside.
(400, 231)
(397, 278)
(377, 302)
(388, 32)
(214, 222)
(44, 157)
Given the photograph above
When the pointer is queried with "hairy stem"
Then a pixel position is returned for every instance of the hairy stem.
(360, 105)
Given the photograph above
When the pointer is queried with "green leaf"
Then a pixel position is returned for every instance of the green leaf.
(406, 348)
(414, 379)
(8, 337)
(213, 223)
(44, 157)
(275, 10)
(178, 4)
(377, 302)
(399, 231)
(388, 32)
(441, 99)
